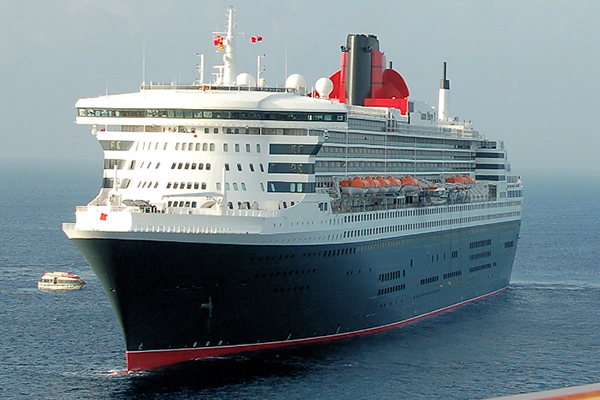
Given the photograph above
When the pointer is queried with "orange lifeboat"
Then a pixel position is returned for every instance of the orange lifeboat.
(456, 179)
(396, 184)
(385, 184)
(374, 185)
(355, 186)
(410, 185)
(469, 180)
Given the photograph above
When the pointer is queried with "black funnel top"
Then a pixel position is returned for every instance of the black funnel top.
(358, 67)
(444, 83)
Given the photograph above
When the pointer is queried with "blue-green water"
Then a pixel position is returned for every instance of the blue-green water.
(542, 333)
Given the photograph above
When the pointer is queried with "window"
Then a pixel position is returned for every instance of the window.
(193, 165)
(235, 186)
(218, 185)
(226, 166)
(258, 147)
(183, 146)
(262, 169)
(251, 167)
(118, 145)
(157, 165)
(180, 166)
(177, 146)
(239, 167)
(189, 185)
(200, 165)
(204, 146)
(225, 147)
(247, 147)
(237, 147)
(307, 149)
(111, 164)
(203, 185)
(175, 185)
(197, 146)
(288, 168)
(291, 187)
(212, 147)
(187, 165)
(207, 166)
(243, 186)
(169, 185)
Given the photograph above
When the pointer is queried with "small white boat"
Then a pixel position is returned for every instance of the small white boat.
(60, 281)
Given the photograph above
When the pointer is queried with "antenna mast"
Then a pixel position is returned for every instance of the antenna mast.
(144, 62)
(228, 69)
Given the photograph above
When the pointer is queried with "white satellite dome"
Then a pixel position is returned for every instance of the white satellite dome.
(245, 79)
(296, 81)
(324, 87)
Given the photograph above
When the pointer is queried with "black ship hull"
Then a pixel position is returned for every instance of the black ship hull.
(179, 301)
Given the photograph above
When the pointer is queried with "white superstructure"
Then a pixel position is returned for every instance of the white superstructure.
(182, 158)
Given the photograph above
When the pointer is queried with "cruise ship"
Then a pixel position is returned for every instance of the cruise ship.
(235, 216)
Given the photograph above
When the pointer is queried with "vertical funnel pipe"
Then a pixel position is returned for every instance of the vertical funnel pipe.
(444, 97)
(358, 67)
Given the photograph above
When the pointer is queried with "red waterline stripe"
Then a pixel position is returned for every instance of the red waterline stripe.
(154, 359)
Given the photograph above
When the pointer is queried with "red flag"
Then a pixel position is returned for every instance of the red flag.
(256, 39)
(103, 217)
(218, 40)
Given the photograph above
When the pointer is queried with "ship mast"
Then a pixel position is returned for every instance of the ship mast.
(228, 71)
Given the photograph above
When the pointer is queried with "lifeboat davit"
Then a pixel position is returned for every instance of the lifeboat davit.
(437, 194)
(385, 184)
(374, 185)
(355, 186)
(410, 185)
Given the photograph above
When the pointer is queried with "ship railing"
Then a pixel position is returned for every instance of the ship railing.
(193, 211)
(227, 212)
(209, 87)
(205, 230)
(361, 111)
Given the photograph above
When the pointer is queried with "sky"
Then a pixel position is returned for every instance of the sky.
(523, 71)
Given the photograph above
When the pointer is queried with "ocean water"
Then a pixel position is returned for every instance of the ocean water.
(542, 333)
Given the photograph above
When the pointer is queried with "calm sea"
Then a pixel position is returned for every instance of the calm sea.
(542, 333)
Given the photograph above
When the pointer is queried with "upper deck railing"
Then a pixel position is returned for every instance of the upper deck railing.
(208, 88)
